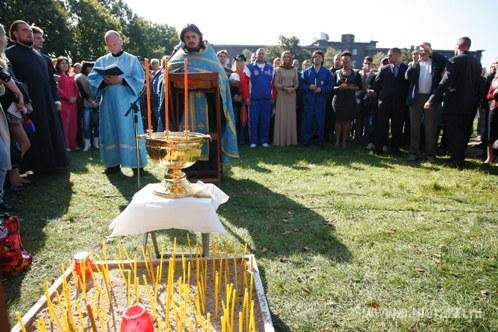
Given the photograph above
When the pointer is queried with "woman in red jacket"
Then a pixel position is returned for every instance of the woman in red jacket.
(69, 94)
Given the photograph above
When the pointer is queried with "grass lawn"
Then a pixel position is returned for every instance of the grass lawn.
(345, 240)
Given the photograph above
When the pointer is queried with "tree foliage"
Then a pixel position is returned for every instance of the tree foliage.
(377, 58)
(328, 61)
(76, 28)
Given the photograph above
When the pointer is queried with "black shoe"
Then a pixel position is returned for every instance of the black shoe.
(454, 164)
(135, 171)
(112, 170)
(6, 207)
(14, 189)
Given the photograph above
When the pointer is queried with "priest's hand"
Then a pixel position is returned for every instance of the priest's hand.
(58, 106)
(113, 79)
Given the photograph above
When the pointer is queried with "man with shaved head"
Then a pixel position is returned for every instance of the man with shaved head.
(459, 89)
(118, 92)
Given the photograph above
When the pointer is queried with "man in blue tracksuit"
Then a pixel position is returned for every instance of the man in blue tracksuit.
(316, 82)
(260, 101)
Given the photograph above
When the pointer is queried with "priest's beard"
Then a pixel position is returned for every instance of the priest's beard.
(26, 42)
(195, 49)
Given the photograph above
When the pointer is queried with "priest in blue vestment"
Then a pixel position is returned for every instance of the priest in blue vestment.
(118, 91)
(202, 59)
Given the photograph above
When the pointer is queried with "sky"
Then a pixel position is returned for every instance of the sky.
(393, 23)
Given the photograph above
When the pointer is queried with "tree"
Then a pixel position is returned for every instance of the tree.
(328, 60)
(272, 52)
(247, 53)
(377, 58)
(406, 55)
(50, 15)
(91, 20)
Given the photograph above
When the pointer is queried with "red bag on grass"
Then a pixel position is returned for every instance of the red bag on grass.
(13, 258)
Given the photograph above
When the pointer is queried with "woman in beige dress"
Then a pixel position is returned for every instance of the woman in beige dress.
(286, 82)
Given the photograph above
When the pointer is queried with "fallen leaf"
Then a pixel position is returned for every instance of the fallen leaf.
(289, 213)
(264, 250)
(438, 255)
(375, 305)
(421, 271)
(297, 230)
(306, 290)
(286, 232)
(283, 260)
(352, 285)
(331, 222)
(473, 238)
(392, 230)
(438, 262)
(306, 248)
(485, 292)
(285, 220)
(418, 251)
(326, 329)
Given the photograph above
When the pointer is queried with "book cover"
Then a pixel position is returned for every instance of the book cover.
(109, 70)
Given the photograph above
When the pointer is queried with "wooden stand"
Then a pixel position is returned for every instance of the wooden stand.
(208, 84)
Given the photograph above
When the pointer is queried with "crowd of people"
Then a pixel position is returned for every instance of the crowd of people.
(88, 105)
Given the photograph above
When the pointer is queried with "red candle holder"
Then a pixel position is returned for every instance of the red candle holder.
(136, 319)
(80, 259)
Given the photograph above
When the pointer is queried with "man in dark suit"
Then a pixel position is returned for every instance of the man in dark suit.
(460, 87)
(392, 88)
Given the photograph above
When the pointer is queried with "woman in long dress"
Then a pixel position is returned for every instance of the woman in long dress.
(347, 82)
(69, 95)
(286, 82)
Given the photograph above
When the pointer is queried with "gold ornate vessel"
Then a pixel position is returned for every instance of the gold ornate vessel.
(174, 151)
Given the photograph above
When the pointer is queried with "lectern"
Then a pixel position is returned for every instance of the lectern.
(210, 171)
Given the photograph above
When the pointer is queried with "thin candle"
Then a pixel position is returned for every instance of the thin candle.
(63, 312)
(166, 93)
(90, 316)
(149, 296)
(128, 287)
(80, 315)
(19, 319)
(137, 282)
(147, 85)
(185, 75)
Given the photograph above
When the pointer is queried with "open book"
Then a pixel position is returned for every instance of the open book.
(109, 70)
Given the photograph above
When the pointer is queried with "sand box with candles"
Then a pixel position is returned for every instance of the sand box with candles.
(218, 294)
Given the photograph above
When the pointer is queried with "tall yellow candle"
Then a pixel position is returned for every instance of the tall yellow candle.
(19, 319)
(147, 87)
(166, 93)
(185, 75)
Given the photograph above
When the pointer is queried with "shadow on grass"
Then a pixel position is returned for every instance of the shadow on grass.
(280, 228)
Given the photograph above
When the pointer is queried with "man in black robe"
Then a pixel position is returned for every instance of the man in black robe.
(48, 149)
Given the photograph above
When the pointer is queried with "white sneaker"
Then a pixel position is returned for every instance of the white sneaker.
(385, 148)
(265, 145)
(370, 146)
(252, 146)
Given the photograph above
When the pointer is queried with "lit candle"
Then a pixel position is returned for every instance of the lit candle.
(185, 75)
(147, 85)
(166, 93)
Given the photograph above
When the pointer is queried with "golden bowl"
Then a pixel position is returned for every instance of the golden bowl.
(174, 151)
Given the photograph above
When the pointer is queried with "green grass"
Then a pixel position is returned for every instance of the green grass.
(390, 245)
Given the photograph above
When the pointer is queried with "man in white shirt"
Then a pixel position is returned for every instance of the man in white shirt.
(424, 74)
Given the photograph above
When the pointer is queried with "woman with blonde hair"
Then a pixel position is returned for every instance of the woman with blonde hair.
(286, 83)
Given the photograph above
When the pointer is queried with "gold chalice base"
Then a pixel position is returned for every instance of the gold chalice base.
(174, 151)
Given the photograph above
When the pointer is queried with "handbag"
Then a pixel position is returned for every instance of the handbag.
(13, 257)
